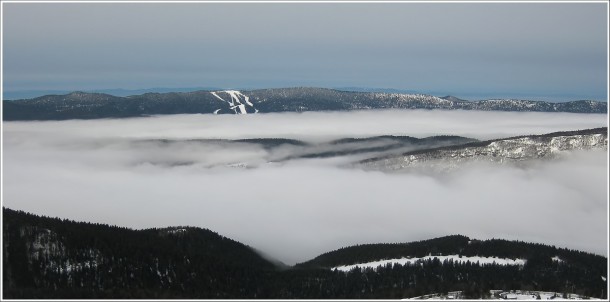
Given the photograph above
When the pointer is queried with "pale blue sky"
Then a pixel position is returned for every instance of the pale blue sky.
(522, 50)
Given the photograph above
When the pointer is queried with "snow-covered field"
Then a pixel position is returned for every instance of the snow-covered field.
(454, 258)
(508, 295)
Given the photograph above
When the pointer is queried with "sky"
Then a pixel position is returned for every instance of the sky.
(551, 51)
(116, 171)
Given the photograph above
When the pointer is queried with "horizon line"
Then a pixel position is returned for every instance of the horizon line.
(25, 94)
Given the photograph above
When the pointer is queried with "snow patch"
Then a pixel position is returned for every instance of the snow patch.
(237, 101)
(177, 231)
(242, 108)
(506, 295)
(556, 259)
(455, 258)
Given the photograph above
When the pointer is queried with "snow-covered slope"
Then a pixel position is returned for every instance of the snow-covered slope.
(237, 101)
(510, 150)
(453, 258)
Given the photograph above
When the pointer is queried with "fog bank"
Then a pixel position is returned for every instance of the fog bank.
(320, 125)
(100, 171)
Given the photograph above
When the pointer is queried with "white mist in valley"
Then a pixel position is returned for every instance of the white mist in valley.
(124, 172)
(319, 125)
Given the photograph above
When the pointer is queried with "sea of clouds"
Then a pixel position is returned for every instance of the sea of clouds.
(163, 171)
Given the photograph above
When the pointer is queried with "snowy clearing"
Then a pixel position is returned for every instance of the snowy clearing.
(455, 258)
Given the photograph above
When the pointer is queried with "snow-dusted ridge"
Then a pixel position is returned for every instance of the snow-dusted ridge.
(502, 151)
(46, 246)
(415, 260)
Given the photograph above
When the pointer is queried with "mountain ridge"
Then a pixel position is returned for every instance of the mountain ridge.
(503, 150)
(81, 105)
(445, 245)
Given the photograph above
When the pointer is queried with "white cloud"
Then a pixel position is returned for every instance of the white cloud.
(317, 125)
(99, 171)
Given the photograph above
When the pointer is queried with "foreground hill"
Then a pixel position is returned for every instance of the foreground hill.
(80, 105)
(53, 258)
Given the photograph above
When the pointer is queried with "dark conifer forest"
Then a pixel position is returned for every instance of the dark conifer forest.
(53, 258)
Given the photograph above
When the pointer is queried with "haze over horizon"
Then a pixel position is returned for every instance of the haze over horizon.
(540, 51)
(121, 92)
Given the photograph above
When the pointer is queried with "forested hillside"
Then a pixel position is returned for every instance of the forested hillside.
(82, 105)
(54, 258)
(61, 258)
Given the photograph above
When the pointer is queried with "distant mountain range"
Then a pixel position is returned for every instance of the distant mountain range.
(80, 105)
(30, 94)
(53, 258)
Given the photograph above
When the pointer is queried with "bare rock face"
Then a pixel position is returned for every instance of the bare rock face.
(504, 151)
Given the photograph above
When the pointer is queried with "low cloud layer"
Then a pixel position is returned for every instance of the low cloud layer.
(318, 125)
(103, 171)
